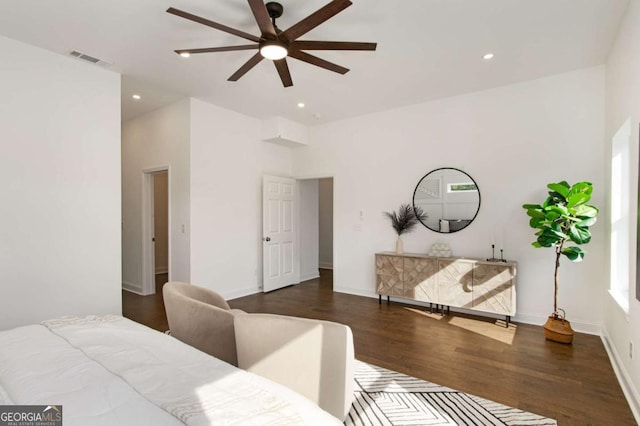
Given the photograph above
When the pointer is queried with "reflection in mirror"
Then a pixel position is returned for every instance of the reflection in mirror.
(450, 199)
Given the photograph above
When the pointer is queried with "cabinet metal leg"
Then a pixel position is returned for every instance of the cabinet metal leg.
(379, 299)
(388, 300)
(508, 320)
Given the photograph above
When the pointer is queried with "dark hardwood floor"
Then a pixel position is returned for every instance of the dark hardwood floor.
(574, 384)
(147, 310)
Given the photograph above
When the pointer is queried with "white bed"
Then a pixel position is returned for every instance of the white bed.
(113, 371)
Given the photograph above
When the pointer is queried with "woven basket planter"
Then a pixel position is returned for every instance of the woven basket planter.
(558, 330)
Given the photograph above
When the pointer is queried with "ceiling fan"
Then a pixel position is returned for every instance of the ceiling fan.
(276, 44)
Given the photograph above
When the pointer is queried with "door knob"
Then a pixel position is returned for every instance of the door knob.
(267, 239)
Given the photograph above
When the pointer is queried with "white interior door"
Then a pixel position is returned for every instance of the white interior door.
(280, 228)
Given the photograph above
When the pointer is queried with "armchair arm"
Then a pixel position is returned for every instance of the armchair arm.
(313, 357)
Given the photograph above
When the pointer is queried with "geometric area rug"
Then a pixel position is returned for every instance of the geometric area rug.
(385, 397)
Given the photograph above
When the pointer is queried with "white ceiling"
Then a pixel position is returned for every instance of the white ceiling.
(427, 49)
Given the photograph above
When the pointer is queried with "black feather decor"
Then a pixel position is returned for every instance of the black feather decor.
(406, 218)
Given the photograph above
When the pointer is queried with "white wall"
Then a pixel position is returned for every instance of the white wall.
(325, 204)
(513, 141)
(309, 229)
(227, 163)
(623, 102)
(60, 192)
(157, 139)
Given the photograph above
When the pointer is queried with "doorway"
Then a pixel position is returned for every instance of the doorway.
(161, 228)
(156, 239)
(316, 227)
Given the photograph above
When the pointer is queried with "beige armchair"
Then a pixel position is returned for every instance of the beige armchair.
(313, 357)
(201, 318)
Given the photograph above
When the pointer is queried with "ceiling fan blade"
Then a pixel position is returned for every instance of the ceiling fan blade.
(331, 45)
(283, 70)
(217, 49)
(315, 19)
(217, 26)
(246, 67)
(262, 18)
(314, 60)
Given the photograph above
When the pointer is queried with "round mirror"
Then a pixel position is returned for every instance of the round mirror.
(448, 198)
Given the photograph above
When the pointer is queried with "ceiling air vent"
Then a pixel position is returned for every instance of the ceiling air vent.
(89, 58)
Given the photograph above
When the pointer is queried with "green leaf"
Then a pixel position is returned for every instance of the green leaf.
(554, 212)
(537, 222)
(584, 211)
(535, 213)
(581, 187)
(585, 223)
(579, 235)
(532, 206)
(550, 201)
(562, 188)
(549, 238)
(575, 254)
(577, 199)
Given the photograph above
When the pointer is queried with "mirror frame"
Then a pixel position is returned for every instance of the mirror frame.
(464, 173)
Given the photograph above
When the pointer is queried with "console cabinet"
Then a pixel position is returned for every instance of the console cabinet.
(474, 284)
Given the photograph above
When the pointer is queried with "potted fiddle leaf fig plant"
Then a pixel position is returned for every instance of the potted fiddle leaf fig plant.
(403, 221)
(563, 222)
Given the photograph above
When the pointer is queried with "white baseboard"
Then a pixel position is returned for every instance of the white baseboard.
(309, 276)
(132, 288)
(355, 291)
(629, 390)
(241, 293)
(162, 270)
(325, 265)
(579, 326)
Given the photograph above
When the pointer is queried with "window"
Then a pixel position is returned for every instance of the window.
(462, 187)
(620, 229)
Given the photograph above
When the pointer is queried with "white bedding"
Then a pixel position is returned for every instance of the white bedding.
(112, 371)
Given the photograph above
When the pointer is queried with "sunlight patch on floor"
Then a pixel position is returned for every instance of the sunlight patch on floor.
(494, 330)
(434, 315)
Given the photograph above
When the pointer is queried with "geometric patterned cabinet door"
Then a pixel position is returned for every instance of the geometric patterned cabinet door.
(420, 278)
(455, 283)
(493, 289)
(459, 282)
(389, 277)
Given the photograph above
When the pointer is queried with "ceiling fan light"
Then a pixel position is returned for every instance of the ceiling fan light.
(273, 51)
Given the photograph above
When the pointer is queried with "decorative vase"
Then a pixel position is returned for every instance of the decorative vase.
(399, 245)
(558, 329)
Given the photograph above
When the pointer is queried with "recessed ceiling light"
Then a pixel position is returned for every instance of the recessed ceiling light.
(185, 54)
(488, 56)
(300, 104)
(137, 97)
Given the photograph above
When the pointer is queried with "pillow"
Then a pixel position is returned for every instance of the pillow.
(444, 225)
(458, 224)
